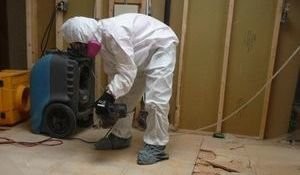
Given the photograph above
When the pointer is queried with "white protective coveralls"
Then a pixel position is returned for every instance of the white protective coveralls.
(139, 55)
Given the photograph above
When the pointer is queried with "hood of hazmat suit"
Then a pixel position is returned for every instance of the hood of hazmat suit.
(81, 29)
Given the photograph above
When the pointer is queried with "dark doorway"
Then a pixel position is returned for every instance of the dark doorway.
(4, 61)
(13, 34)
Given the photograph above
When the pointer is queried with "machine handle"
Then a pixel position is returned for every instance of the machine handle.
(22, 98)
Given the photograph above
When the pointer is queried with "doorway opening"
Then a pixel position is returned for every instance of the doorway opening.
(13, 34)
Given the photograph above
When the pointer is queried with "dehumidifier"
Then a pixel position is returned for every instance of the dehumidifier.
(62, 93)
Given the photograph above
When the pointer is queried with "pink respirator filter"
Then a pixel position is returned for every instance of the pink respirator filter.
(93, 47)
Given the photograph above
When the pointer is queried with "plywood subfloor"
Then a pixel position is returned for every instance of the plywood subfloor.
(189, 154)
(77, 158)
(233, 156)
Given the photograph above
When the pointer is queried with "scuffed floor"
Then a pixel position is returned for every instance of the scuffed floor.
(189, 154)
(247, 157)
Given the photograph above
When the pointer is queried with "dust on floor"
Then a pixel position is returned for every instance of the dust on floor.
(247, 157)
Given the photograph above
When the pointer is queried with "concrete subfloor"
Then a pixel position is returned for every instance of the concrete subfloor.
(75, 157)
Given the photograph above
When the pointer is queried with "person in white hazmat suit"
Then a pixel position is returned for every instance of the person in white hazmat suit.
(139, 55)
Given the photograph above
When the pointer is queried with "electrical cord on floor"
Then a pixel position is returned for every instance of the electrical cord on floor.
(82, 140)
(46, 142)
(108, 132)
(90, 142)
(4, 128)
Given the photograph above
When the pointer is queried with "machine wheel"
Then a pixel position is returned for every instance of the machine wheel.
(60, 120)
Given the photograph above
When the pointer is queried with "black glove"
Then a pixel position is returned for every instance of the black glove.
(103, 103)
(104, 110)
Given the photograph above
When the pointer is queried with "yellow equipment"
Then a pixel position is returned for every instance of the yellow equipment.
(14, 96)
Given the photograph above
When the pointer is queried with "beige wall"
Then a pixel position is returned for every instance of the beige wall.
(158, 9)
(80, 8)
(249, 59)
(283, 88)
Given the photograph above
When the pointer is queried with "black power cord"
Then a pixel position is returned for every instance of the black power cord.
(62, 7)
(82, 140)
(47, 33)
(46, 142)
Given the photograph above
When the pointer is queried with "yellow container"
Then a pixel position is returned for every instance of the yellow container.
(14, 96)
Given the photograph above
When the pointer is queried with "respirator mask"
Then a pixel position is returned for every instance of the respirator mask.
(90, 49)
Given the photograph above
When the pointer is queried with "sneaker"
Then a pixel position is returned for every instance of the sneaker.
(112, 142)
(151, 154)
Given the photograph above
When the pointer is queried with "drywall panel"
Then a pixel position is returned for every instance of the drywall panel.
(176, 16)
(248, 64)
(105, 8)
(158, 9)
(284, 86)
(203, 55)
(44, 12)
(80, 8)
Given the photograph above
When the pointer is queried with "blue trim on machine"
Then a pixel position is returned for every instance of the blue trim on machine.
(39, 91)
